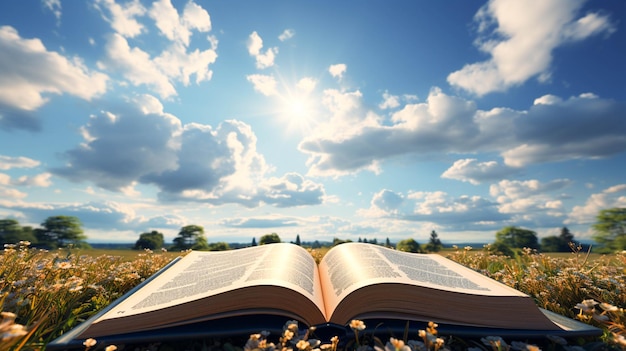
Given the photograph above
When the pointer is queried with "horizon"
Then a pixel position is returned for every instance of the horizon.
(322, 119)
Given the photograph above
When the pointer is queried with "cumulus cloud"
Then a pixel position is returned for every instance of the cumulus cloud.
(255, 46)
(179, 28)
(337, 70)
(580, 127)
(264, 84)
(354, 138)
(142, 144)
(30, 72)
(520, 37)
(136, 65)
(123, 145)
(389, 101)
(531, 202)
(176, 63)
(452, 213)
(475, 172)
(122, 17)
(613, 196)
(159, 73)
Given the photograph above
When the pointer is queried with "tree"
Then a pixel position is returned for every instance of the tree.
(558, 243)
(388, 243)
(551, 244)
(12, 233)
(408, 245)
(610, 229)
(191, 237)
(269, 239)
(253, 242)
(298, 240)
(61, 231)
(516, 237)
(153, 241)
(219, 246)
(434, 244)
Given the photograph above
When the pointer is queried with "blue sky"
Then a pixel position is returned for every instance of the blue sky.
(326, 119)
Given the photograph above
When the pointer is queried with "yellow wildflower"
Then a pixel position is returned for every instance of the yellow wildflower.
(357, 324)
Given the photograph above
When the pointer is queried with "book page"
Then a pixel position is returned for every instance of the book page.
(202, 274)
(350, 266)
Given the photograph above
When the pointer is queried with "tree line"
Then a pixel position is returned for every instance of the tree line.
(64, 231)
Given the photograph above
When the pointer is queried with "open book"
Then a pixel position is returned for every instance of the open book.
(353, 281)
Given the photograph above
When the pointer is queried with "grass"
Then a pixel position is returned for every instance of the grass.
(45, 294)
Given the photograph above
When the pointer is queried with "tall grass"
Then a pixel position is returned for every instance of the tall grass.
(52, 292)
(593, 291)
(45, 294)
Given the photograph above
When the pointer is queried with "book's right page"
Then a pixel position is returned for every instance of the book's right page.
(364, 279)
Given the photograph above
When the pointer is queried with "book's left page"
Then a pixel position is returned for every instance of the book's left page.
(218, 280)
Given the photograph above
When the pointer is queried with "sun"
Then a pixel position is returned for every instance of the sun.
(298, 112)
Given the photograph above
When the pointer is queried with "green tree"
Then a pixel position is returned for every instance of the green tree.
(191, 237)
(610, 229)
(269, 239)
(61, 231)
(551, 244)
(500, 248)
(408, 245)
(434, 244)
(219, 246)
(298, 240)
(558, 243)
(153, 241)
(516, 237)
(253, 242)
(12, 233)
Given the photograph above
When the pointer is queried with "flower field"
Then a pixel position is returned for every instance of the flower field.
(45, 294)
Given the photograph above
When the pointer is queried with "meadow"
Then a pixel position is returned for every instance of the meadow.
(45, 294)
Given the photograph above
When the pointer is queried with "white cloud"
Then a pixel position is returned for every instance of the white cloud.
(54, 6)
(520, 38)
(136, 66)
(264, 84)
(306, 85)
(160, 73)
(8, 193)
(439, 208)
(7, 162)
(40, 180)
(139, 143)
(255, 45)
(475, 172)
(389, 101)
(337, 70)
(286, 34)
(178, 64)
(530, 202)
(354, 138)
(582, 127)
(123, 17)
(175, 27)
(614, 196)
(123, 145)
(30, 71)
